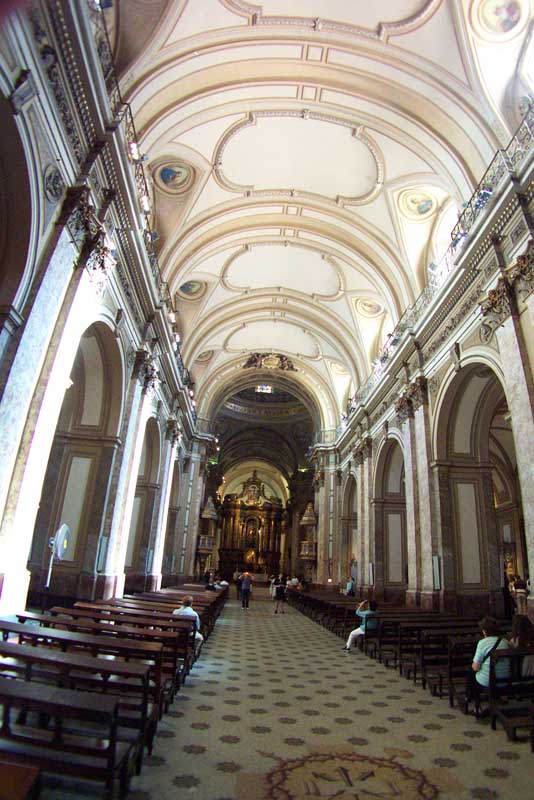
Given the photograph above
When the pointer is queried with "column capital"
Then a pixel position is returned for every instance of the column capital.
(418, 392)
(146, 371)
(172, 431)
(404, 408)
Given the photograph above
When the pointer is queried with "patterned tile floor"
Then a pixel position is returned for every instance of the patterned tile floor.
(274, 710)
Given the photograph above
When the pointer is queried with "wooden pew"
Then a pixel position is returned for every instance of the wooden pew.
(62, 747)
(129, 681)
(130, 649)
(18, 782)
(460, 657)
(178, 652)
(510, 698)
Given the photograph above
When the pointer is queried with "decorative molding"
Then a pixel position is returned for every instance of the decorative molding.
(146, 371)
(418, 392)
(358, 131)
(403, 408)
(269, 361)
(495, 309)
(367, 447)
(53, 182)
(49, 59)
(454, 320)
(172, 431)
(99, 263)
(455, 354)
(382, 32)
(433, 385)
(521, 274)
(23, 91)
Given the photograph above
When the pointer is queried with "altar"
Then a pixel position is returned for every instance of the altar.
(252, 526)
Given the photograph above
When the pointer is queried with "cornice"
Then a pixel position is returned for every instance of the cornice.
(382, 32)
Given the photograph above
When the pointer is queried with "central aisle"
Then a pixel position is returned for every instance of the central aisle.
(275, 709)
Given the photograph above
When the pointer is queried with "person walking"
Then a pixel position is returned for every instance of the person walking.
(246, 587)
(280, 594)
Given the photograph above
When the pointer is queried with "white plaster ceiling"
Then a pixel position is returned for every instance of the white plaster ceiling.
(325, 141)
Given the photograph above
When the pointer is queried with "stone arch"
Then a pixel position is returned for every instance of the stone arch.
(75, 489)
(140, 550)
(390, 546)
(19, 210)
(480, 513)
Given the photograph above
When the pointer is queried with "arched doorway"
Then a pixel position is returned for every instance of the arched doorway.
(347, 546)
(391, 555)
(76, 485)
(140, 549)
(480, 497)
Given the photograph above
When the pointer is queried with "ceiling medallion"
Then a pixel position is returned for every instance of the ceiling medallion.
(497, 20)
(417, 205)
(368, 308)
(192, 290)
(269, 361)
(173, 176)
(206, 355)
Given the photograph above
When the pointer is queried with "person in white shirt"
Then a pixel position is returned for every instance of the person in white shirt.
(187, 610)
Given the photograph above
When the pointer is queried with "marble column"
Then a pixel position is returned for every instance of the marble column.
(110, 583)
(363, 542)
(369, 522)
(193, 496)
(405, 415)
(321, 511)
(170, 558)
(425, 496)
(446, 547)
(378, 554)
(519, 397)
(153, 581)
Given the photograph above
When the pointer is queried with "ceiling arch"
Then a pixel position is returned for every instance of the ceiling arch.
(310, 149)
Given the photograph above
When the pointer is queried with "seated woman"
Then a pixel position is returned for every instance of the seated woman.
(477, 678)
(366, 611)
(523, 636)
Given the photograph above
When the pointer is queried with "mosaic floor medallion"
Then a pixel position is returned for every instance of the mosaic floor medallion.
(347, 776)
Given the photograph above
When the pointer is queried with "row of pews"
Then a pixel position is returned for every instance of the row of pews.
(83, 689)
(435, 649)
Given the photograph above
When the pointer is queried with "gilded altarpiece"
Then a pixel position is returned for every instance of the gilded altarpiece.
(251, 530)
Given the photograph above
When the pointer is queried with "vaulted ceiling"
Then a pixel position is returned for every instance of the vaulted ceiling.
(307, 160)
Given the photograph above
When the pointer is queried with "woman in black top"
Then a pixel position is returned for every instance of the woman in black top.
(280, 594)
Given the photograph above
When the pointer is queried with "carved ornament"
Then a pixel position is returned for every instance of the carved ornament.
(418, 392)
(403, 408)
(367, 447)
(269, 361)
(173, 433)
(521, 274)
(495, 309)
